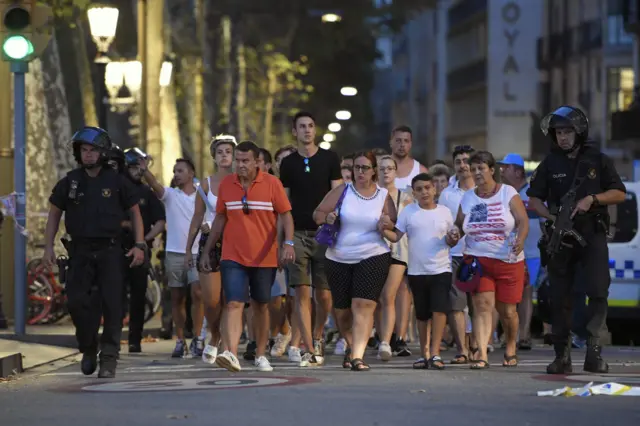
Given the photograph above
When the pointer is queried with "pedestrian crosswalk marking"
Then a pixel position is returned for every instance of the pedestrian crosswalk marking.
(279, 366)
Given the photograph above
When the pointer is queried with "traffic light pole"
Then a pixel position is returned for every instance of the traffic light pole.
(19, 70)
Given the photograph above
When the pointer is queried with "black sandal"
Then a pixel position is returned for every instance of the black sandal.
(460, 359)
(359, 365)
(436, 362)
(473, 352)
(480, 364)
(507, 361)
(524, 345)
(346, 361)
(421, 364)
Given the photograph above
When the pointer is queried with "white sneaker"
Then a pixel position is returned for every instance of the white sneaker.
(311, 360)
(294, 354)
(341, 347)
(228, 361)
(262, 364)
(210, 354)
(280, 344)
(384, 351)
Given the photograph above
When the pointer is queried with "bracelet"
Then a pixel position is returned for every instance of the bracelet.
(288, 242)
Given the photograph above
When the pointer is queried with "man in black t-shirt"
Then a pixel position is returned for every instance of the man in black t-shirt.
(308, 175)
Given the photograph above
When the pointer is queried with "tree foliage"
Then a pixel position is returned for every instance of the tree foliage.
(276, 88)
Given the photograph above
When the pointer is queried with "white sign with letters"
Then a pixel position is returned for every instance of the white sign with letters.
(513, 30)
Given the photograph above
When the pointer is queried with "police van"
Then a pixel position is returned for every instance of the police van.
(624, 257)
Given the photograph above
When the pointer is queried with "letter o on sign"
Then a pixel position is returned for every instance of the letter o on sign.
(511, 12)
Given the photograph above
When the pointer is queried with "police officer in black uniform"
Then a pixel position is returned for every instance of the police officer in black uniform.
(94, 198)
(573, 160)
(153, 219)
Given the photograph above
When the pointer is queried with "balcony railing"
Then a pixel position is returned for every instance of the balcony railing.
(467, 77)
(465, 10)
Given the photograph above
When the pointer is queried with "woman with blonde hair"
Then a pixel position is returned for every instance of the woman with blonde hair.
(395, 296)
(221, 149)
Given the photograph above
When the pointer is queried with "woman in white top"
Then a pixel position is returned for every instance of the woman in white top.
(396, 284)
(358, 264)
(495, 222)
(221, 150)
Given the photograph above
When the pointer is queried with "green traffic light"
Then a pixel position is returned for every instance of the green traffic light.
(17, 47)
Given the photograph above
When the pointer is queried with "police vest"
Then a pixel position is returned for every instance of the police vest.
(95, 209)
(560, 177)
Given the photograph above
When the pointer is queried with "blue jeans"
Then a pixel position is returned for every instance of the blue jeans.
(240, 282)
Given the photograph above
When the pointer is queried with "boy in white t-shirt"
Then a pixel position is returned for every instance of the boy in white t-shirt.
(431, 233)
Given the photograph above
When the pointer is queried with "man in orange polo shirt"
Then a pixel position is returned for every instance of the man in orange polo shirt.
(249, 203)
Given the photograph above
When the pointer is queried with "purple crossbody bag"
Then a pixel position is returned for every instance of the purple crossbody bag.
(328, 234)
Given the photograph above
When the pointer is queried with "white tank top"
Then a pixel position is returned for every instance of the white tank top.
(209, 214)
(402, 183)
(358, 238)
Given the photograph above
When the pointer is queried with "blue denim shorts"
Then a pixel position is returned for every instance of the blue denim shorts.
(240, 282)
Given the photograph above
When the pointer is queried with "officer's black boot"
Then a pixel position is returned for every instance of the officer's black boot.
(562, 363)
(593, 362)
(89, 363)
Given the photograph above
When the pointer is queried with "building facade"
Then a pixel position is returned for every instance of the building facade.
(504, 65)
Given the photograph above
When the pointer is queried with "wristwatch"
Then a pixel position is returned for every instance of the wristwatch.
(288, 242)
(595, 200)
(141, 246)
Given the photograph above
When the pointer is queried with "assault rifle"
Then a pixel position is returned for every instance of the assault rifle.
(562, 229)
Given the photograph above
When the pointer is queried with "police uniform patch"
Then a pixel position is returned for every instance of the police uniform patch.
(106, 193)
(591, 174)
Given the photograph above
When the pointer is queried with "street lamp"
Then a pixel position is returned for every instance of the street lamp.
(103, 22)
(343, 115)
(334, 127)
(325, 145)
(165, 74)
(331, 17)
(348, 91)
(119, 74)
(329, 137)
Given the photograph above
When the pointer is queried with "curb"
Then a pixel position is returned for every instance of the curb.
(11, 365)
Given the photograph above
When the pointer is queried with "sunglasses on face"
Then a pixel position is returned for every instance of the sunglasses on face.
(245, 204)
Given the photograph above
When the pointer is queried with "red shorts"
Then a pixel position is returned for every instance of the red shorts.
(506, 280)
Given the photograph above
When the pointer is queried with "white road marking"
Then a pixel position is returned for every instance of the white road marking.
(191, 368)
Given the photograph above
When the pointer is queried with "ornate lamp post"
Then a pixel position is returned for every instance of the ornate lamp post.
(103, 21)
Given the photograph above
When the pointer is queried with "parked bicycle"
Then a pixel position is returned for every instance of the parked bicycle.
(47, 302)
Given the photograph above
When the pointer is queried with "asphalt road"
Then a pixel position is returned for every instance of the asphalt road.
(153, 389)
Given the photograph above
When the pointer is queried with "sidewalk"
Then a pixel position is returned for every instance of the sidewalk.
(44, 344)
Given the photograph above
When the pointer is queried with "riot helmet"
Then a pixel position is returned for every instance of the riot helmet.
(133, 156)
(116, 158)
(566, 117)
(95, 137)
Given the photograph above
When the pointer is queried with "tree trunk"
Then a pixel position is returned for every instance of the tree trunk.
(212, 73)
(272, 86)
(200, 159)
(41, 172)
(238, 78)
(58, 108)
(162, 167)
(76, 73)
(227, 66)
